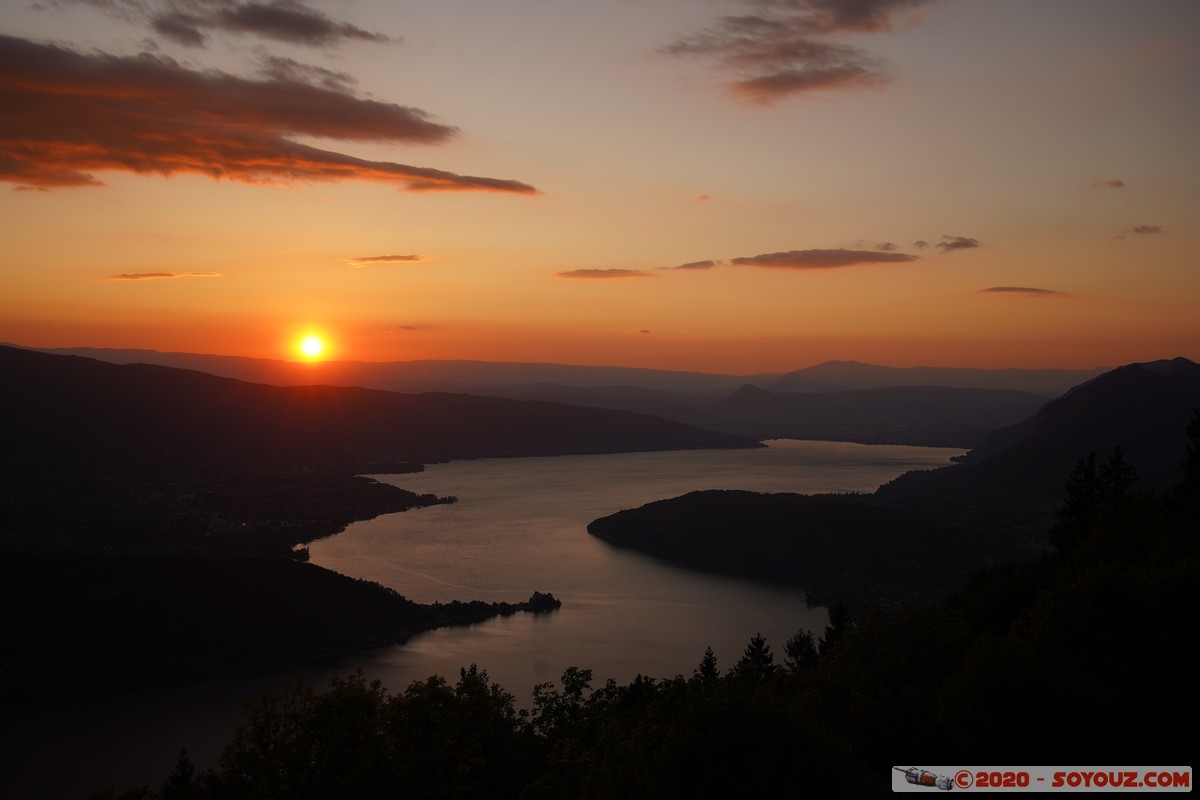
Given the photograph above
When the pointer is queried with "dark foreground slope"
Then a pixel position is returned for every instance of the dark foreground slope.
(926, 531)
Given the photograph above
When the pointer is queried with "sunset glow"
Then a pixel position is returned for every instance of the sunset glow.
(898, 181)
(311, 347)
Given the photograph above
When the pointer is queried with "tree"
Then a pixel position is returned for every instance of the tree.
(800, 651)
(182, 780)
(757, 662)
(839, 620)
(707, 671)
(1191, 464)
(1116, 476)
(1078, 511)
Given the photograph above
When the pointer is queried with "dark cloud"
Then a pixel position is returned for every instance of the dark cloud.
(1115, 183)
(1028, 291)
(75, 114)
(787, 49)
(708, 264)
(951, 243)
(862, 16)
(604, 273)
(887, 247)
(920, 244)
(189, 22)
(367, 261)
(141, 276)
(289, 70)
(821, 259)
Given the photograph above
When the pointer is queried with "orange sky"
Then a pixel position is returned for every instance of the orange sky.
(736, 186)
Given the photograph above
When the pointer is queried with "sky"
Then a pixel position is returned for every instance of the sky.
(734, 186)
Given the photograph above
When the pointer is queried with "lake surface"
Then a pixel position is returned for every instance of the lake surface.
(519, 526)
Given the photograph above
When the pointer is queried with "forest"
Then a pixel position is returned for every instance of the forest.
(1088, 652)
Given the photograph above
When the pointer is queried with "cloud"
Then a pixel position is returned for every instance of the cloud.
(921, 244)
(1028, 291)
(189, 22)
(707, 264)
(367, 261)
(288, 70)
(887, 247)
(604, 273)
(74, 114)
(1115, 183)
(821, 259)
(1140, 230)
(951, 243)
(142, 276)
(787, 49)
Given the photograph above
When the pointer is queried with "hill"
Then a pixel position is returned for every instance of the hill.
(150, 513)
(82, 404)
(833, 376)
(934, 416)
(913, 405)
(926, 531)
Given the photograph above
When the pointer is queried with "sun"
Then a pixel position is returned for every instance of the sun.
(312, 346)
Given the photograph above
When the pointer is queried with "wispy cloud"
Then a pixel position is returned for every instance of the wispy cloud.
(190, 22)
(81, 114)
(707, 264)
(921, 244)
(821, 259)
(1140, 230)
(1113, 183)
(787, 48)
(949, 244)
(887, 247)
(368, 261)
(1028, 291)
(145, 276)
(604, 273)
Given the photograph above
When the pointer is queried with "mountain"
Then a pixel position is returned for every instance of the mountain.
(914, 405)
(88, 405)
(495, 378)
(1144, 408)
(937, 525)
(833, 376)
(927, 415)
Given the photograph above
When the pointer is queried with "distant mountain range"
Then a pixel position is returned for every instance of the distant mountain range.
(56, 401)
(834, 400)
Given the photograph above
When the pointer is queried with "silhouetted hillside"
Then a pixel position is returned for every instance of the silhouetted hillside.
(998, 505)
(86, 405)
(693, 398)
(927, 415)
(833, 376)
(1140, 407)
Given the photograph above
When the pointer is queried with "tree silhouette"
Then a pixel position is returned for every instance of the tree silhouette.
(1116, 476)
(757, 662)
(707, 671)
(800, 651)
(839, 621)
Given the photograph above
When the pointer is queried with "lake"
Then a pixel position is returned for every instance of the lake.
(519, 526)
